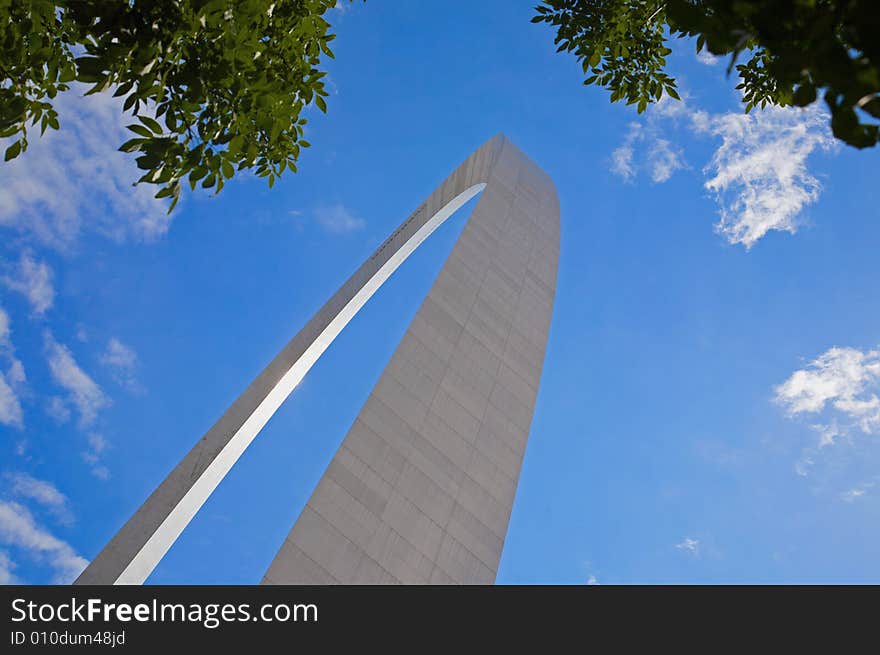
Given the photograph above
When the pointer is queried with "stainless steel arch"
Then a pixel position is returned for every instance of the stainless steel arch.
(136, 549)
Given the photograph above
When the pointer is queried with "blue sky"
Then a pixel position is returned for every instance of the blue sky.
(709, 406)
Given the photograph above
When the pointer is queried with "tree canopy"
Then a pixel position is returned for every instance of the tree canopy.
(216, 86)
(796, 50)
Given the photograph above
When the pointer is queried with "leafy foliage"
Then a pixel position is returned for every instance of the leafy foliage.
(797, 49)
(216, 86)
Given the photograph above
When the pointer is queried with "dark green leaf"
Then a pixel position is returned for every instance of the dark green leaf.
(151, 124)
(12, 151)
(141, 130)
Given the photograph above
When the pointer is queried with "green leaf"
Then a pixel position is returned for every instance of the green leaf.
(141, 130)
(150, 123)
(235, 145)
(795, 48)
(12, 151)
(228, 90)
(132, 145)
(89, 69)
(147, 162)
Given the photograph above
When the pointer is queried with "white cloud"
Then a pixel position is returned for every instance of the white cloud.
(828, 434)
(19, 528)
(33, 280)
(842, 383)
(707, 58)
(668, 107)
(97, 445)
(75, 179)
(622, 157)
(57, 409)
(84, 394)
(123, 361)
(855, 493)
(82, 391)
(660, 159)
(803, 466)
(43, 492)
(6, 567)
(759, 173)
(15, 374)
(118, 355)
(838, 391)
(5, 332)
(664, 159)
(11, 413)
(690, 546)
(592, 580)
(101, 472)
(337, 219)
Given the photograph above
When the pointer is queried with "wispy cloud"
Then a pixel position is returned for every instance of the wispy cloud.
(838, 392)
(84, 394)
(592, 580)
(337, 219)
(82, 390)
(707, 58)
(43, 492)
(97, 445)
(6, 568)
(841, 384)
(660, 159)
(123, 363)
(664, 159)
(11, 413)
(851, 495)
(5, 332)
(689, 546)
(33, 280)
(804, 465)
(758, 176)
(622, 157)
(101, 472)
(75, 179)
(57, 409)
(19, 528)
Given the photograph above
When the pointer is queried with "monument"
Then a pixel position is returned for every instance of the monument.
(421, 489)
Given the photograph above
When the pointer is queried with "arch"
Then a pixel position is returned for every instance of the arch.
(132, 554)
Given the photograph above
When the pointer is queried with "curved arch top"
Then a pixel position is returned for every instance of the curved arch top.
(496, 166)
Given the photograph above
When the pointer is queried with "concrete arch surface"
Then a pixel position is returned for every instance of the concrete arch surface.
(513, 231)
